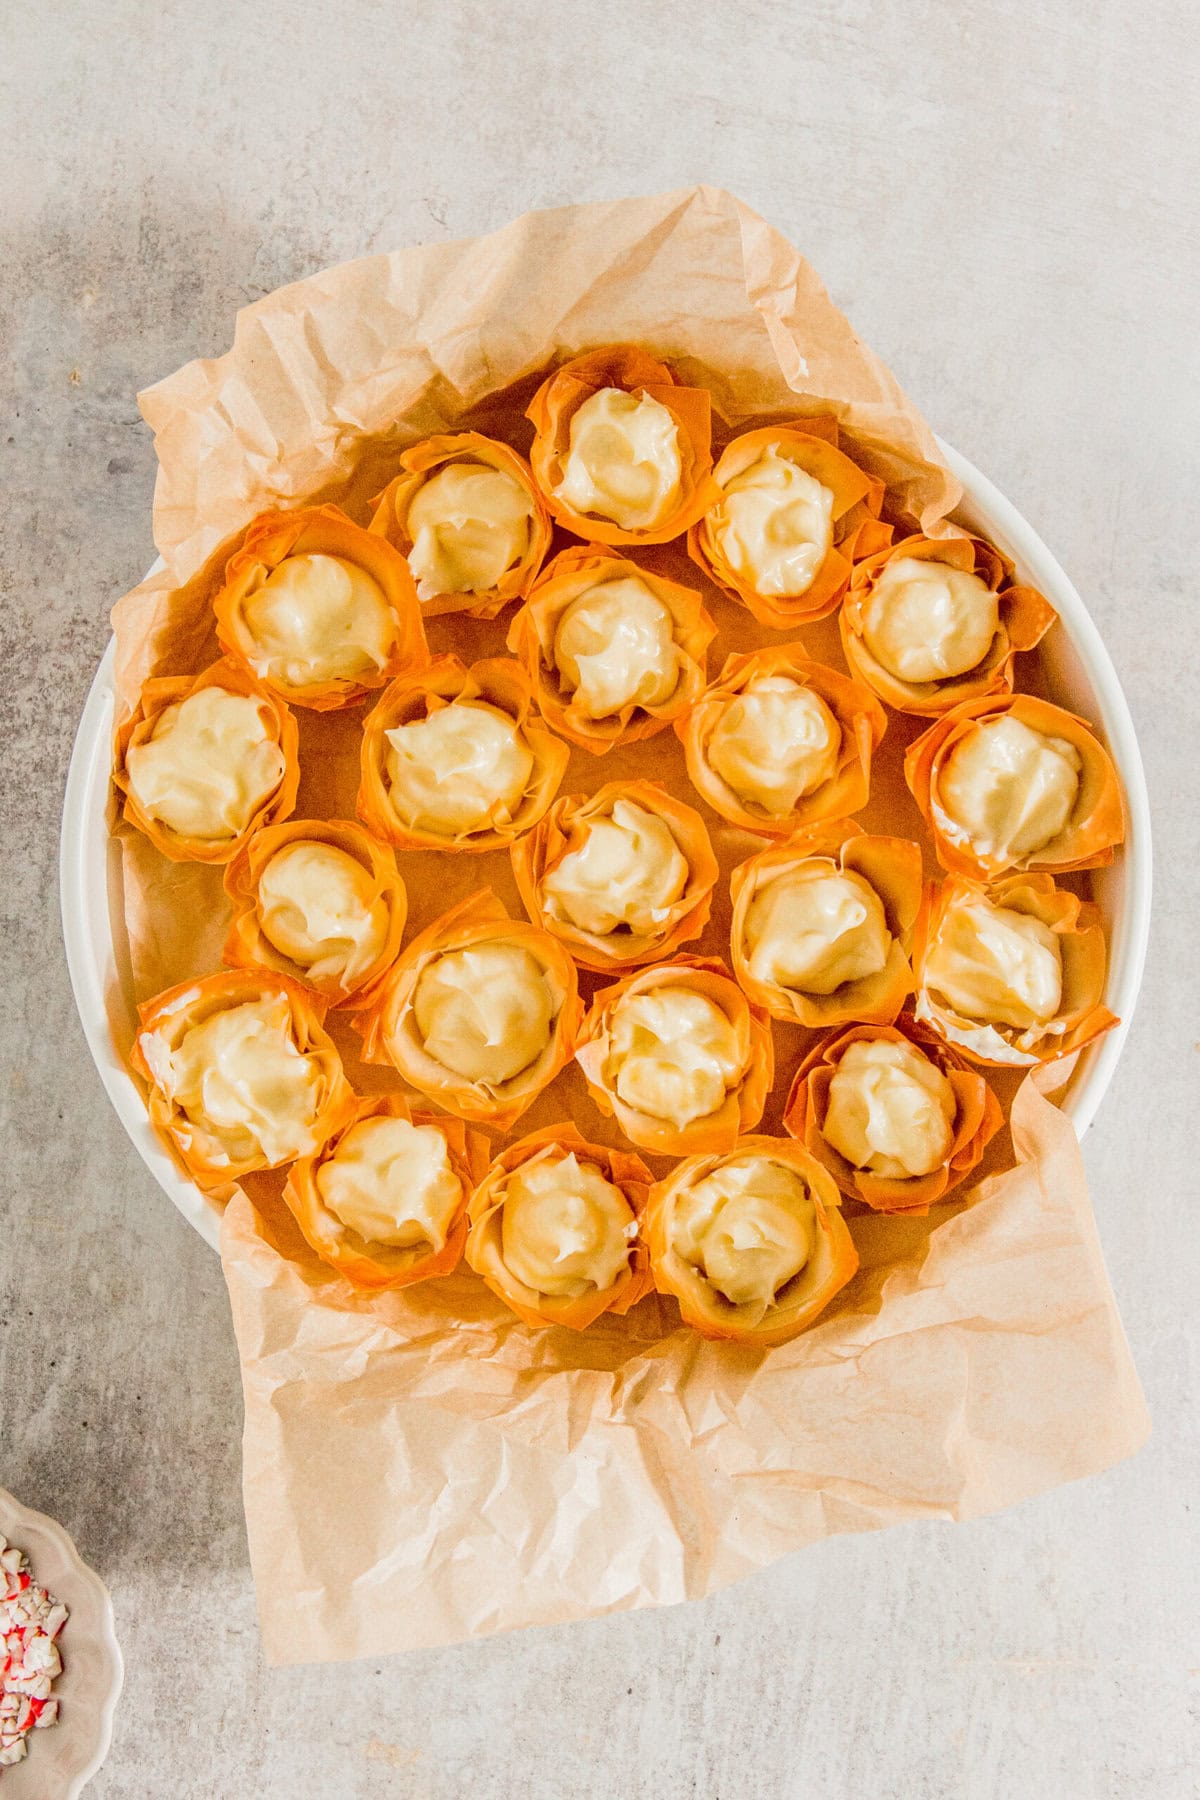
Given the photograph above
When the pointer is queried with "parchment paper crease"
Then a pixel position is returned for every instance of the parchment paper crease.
(420, 1468)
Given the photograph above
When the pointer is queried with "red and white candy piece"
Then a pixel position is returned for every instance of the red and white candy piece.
(30, 1620)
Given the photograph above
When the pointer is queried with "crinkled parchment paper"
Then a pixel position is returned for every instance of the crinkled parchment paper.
(420, 1467)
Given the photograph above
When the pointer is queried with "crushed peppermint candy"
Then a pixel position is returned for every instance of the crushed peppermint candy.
(30, 1620)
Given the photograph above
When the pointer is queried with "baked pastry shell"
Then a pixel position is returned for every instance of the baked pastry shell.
(1097, 822)
(636, 371)
(565, 830)
(497, 682)
(742, 1107)
(857, 528)
(170, 1015)
(857, 711)
(325, 531)
(531, 636)
(160, 692)
(830, 1271)
(377, 1268)
(978, 1117)
(1025, 617)
(428, 458)
(247, 945)
(485, 1254)
(891, 866)
(1075, 923)
(388, 1025)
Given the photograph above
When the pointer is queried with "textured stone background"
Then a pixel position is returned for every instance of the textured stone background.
(1003, 200)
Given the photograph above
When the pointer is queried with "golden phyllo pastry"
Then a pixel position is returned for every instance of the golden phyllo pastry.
(622, 451)
(614, 651)
(1011, 782)
(679, 1056)
(321, 611)
(792, 514)
(822, 925)
(465, 514)
(242, 1074)
(778, 741)
(457, 759)
(623, 876)
(751, 1243)
(1012, 973)
(554, 1229)
(930, 622)
(480, 1013)
(384, 1201)
(319, 900)
(897, 1117)
(204, 761)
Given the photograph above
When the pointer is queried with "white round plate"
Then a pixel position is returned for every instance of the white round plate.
(62, 1759)
(1080, 672)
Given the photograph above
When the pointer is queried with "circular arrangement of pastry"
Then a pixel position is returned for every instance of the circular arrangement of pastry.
(890, 995)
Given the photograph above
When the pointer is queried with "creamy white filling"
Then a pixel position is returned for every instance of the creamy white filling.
(315, 906)
(996, 965)
(392, 1183)
(623, 462)
(469, 525)
(485, 1012)
(775, 525)
(814, 927)
(615, 647)
(747, 1228)
(673, 1054)
(244, 1085)
(925, 621)
(628, 871)
(461, 769)
(1009, 790)
(890, 1110)
(775, 743)
(208, 765)
(564, 1229)
(318, 618)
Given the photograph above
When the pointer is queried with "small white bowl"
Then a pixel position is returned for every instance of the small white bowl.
(1081, 675)
(62, 1759)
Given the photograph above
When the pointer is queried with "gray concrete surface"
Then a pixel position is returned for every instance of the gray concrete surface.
(1002, 197)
